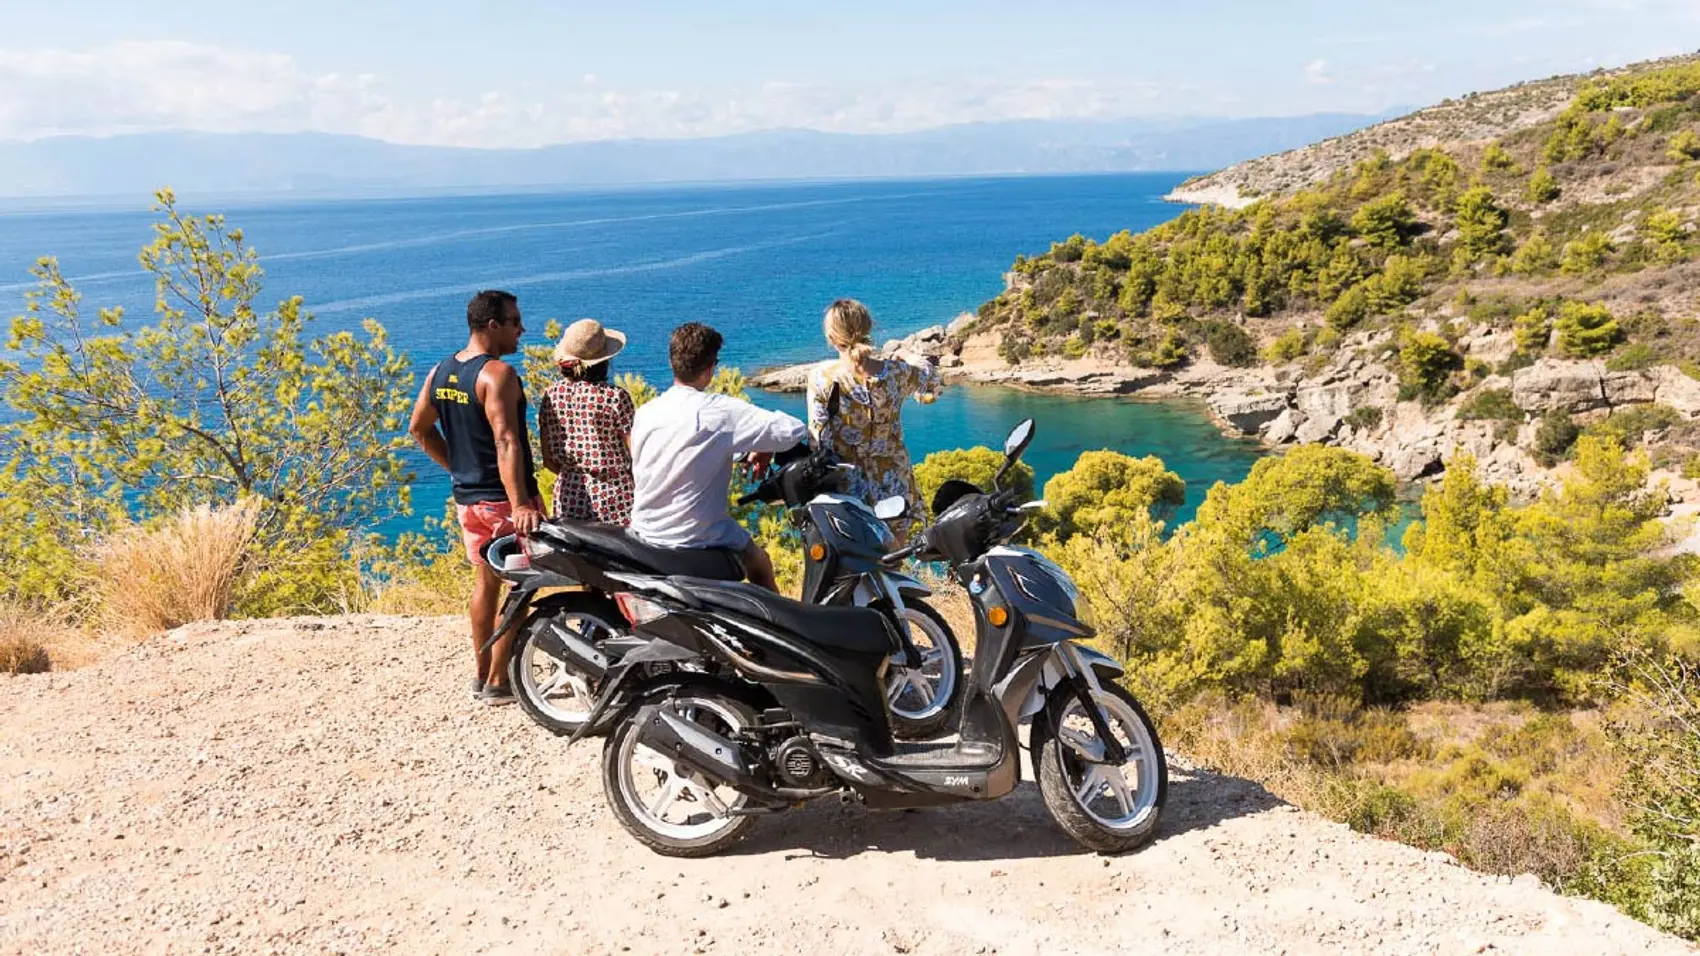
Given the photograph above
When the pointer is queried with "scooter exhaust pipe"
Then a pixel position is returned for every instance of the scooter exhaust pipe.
(697, 747)
(564, 644)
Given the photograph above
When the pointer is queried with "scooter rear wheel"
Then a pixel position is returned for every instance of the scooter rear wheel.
(551, 691)
(1107, 808)
(667, 806)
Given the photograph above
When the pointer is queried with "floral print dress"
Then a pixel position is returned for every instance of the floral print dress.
(584, 428)
(866, 430)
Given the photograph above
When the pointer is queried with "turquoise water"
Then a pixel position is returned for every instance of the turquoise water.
(759, 262)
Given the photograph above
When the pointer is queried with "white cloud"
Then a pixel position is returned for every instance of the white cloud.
(1316, 72)
(138, 86)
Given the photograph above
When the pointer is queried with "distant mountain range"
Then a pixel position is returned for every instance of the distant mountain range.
(317, 163)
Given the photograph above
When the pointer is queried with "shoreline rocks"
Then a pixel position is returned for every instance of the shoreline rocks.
(1352, 402)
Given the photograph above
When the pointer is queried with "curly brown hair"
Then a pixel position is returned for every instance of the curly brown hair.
(693, 350)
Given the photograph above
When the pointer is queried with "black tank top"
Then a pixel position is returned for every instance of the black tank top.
(472, 445)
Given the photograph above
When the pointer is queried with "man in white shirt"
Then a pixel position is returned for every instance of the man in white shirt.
(682, 447)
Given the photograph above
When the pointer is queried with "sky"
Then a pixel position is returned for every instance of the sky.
(504, 73)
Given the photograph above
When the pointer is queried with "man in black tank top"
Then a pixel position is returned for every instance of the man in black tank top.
(470, 417)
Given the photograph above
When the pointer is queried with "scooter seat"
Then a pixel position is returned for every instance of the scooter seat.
(855, 629)
(716, 564)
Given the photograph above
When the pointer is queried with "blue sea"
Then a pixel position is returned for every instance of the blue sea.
(758, 262)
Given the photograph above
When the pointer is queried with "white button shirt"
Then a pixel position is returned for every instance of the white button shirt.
(682, 447)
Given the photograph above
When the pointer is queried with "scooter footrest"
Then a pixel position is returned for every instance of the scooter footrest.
(928, 755)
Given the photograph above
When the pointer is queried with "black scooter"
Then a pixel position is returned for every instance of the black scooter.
(569, 639)
(744, 703)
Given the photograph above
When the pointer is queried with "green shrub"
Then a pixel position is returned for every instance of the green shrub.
(1426, 362)
(1586, 254)
(1015, 349)
(218, 400)
(1167, 351)
(1350, 309)
(1659, 739)
(1481, 223)
(1106, 490)
(1586, 330)
(1364, 417)
(1496, 159)
(1543, 188)
(1398, 284)
(1627, 425)
(1287, 347)
(976, 465)
(1532, 331)
(1554, 437)
(1662, 231)
(1536, 256)
(1387, 222)
(1229, 344)
(1490, 404)
(1070, 250)
(1684, 146)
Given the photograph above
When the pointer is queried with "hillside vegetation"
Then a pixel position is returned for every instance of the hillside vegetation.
(1577, 233)
(1477, 117)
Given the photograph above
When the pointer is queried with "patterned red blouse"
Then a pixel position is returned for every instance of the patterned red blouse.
(584, 428)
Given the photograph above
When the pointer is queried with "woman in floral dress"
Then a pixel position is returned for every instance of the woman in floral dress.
(863, 425)
(584, 423)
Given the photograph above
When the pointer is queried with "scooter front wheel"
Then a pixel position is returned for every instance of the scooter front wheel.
(922, 699)
(1105, 807)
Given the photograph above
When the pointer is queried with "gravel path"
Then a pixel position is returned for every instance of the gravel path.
(325, 785)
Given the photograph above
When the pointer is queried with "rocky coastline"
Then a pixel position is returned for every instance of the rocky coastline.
(1351, 402)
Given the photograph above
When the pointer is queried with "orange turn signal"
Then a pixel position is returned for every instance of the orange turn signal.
(998, 616)
(817, 552)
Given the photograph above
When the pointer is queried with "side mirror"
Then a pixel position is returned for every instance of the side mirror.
(890, 509)
(1019, 438)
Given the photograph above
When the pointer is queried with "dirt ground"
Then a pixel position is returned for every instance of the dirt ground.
(326, 785)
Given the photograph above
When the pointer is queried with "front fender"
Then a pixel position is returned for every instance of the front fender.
(906, 585)
(1105, 666)
(867, 590)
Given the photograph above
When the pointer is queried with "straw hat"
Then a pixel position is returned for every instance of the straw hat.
(586, 342)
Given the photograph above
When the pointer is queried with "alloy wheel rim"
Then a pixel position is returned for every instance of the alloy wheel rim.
(1106, 793)
(677, 788)
(551, 685)
(920, 693)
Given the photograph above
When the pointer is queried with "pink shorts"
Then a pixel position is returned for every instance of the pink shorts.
(482, 521)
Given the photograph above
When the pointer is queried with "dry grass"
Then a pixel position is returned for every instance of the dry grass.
(23, 649)
(33, 641)
(1502, 787)
(183, 569)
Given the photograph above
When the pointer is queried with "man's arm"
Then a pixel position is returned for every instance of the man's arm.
(423, 427)
(500, 393)
(756, 430)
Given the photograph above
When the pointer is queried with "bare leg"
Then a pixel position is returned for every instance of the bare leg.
(486, 597)
(759, 567)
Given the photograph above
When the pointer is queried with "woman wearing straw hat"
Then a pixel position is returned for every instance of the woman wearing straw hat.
(584, 423)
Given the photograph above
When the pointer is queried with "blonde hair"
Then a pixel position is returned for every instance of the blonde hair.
(849, 328)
